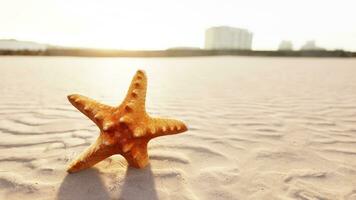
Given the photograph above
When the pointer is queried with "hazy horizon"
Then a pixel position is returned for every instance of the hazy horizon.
(164, 24)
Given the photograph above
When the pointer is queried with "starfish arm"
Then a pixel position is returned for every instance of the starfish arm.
(95, 153)
(136, 95)
(162, 126)
(137, 156)
(94, 110)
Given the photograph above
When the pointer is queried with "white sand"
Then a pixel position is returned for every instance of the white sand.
(260, 128)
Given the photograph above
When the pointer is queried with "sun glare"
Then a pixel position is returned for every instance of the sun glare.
(162, 24)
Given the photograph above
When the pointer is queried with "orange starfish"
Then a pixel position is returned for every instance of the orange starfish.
(125, 129)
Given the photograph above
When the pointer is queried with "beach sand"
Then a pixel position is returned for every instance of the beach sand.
(259, 128)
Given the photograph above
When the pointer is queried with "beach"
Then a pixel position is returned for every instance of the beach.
(258, 128)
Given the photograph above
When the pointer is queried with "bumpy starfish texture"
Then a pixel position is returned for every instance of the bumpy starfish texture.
(125, 129)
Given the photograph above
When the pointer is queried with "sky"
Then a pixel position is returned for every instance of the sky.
(161, 24)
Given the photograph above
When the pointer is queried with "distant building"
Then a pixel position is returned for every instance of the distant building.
(224, 37)
(285, 45)
(16, 45)
(311, 46)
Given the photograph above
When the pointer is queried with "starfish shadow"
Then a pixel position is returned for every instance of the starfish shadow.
(138, 184)
(83, 185)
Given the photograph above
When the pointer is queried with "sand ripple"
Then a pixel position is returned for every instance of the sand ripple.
(259, 129)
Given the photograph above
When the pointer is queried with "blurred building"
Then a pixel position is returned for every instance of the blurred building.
(285, 45)
(311, 46)
(224, 37)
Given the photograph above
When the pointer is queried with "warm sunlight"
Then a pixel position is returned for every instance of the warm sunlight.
(163, 24)
(181, 100)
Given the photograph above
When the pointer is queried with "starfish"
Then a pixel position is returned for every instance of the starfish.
(125, 129)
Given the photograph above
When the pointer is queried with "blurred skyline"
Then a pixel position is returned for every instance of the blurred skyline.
(160, 24)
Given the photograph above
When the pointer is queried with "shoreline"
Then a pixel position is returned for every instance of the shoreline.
(79, 52)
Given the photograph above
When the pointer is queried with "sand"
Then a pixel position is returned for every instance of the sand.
(260, 128)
